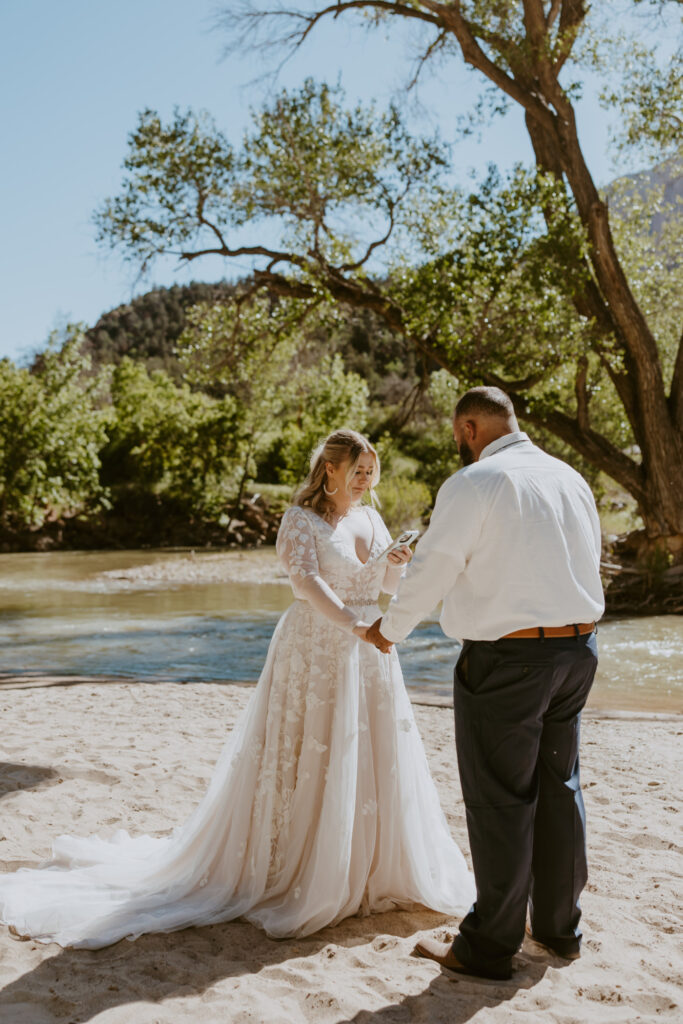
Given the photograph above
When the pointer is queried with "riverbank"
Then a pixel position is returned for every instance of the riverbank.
(629, 589)
(144, 755)
(138, 519)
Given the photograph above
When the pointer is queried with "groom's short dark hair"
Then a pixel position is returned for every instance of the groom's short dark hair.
(486, 401)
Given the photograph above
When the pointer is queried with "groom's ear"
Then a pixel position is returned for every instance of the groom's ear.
(470, 430)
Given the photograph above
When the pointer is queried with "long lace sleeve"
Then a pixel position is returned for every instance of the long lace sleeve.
(296, 550)
(393, 573)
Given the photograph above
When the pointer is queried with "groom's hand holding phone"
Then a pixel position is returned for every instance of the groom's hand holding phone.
(374, 636)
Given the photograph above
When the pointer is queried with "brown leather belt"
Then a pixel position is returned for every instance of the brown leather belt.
(541, 632)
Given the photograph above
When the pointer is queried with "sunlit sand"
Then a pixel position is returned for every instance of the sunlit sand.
(97, 757)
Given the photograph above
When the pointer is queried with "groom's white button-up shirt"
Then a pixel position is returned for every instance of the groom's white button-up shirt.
(513, 542)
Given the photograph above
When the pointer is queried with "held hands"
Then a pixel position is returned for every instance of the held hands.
(372, 635)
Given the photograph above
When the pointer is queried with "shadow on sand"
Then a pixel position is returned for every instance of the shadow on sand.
(76, 986)
(24, 776)
(453, 999)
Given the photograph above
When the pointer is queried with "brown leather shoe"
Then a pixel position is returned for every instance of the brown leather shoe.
(442, 953)
(573, 955)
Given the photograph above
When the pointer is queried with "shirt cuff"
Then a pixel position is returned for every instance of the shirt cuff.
(390, 632)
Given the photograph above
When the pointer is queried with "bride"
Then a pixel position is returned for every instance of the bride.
(321, 804)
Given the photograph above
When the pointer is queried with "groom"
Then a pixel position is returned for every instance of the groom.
(513, 551)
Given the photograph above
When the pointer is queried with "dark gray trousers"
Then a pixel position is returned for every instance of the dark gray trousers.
(517, 713)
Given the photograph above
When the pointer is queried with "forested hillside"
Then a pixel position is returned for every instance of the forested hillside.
(149, 326)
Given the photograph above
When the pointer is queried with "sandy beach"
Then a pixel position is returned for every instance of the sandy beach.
(98, 756)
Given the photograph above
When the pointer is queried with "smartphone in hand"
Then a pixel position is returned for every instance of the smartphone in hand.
(407, 537)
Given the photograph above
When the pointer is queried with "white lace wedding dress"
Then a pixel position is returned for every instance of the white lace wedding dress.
(321, 804)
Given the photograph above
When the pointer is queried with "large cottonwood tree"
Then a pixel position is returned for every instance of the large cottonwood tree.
(478, 283)
(524, 49)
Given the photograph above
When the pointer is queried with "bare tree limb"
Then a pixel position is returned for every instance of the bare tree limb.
(409, 403)
(306, 21)
(572, 15)
(435, 45)
(245, 250)
(553, 13)
(379, 241)
(452, 18)
(201, 200)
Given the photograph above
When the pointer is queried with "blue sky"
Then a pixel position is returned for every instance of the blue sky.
(74, 74)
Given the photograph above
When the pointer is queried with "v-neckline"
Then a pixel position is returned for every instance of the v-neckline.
(372, 539)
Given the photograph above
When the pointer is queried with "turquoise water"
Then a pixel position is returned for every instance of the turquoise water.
(60, 616)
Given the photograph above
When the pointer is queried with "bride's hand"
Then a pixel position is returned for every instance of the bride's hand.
(361, 629)
(400, 556)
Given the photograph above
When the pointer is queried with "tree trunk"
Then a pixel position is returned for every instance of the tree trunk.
(650, 414)
(659, 438)
(243, 481)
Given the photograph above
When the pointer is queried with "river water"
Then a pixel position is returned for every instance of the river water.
(176, 616)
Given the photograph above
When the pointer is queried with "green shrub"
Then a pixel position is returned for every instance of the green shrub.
(405, 502)
(51, 432)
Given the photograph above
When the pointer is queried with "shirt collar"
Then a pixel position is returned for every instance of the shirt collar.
(514, 437)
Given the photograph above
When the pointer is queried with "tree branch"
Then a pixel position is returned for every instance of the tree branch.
(407, 407)
(587, 442)
(201, 200)
(575, 432)
(447, 17)
(535, 24)
(245, 250)
(452, 18)
(587, 297)
(572, 14)
(552, 13)
(514, 386)
(435, 45)
(297, 37)
(379, 241)
(591, 445)
(542, 68)
(623, 385)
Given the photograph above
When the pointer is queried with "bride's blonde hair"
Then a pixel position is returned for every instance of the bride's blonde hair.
(336, 448)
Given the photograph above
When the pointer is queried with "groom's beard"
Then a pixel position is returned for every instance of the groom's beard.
(466, 453)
